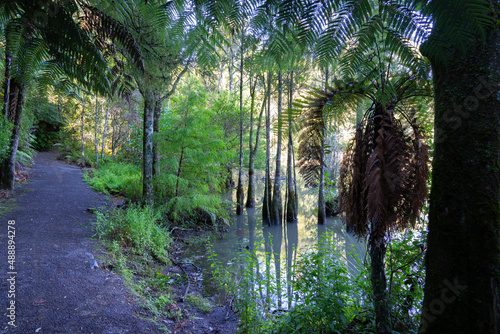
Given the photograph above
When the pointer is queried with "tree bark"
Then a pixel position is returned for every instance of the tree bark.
(276, 204)
(462, 282)
(147, 148)
(9, 164)
(266, 200)
(291, 198)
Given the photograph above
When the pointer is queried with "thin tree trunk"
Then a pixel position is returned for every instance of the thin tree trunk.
(462, 283)
(266, 200)
(276, 204)
(156, 130)
(96, 138)
(251, 159)
(9, 164)
(147, 147)
(179, 170)
(8, 65)
(83, 141)
(104, 132)
(321, 188)
(291, 199)
(240, 195)
(254, 150)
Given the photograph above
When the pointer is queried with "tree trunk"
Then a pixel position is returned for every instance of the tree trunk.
(462, 282)
(240, 195)
(96, 138)
(266, 200)
(254, 149)
(251, 159)
(104, 132)
(8, 65)
(291, 199)
(276, 204)
(321, 187)
(81, 128)
(377, 248)
(156, 146)
(9, 164)
(147, 148)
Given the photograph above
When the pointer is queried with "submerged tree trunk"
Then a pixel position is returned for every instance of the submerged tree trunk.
(104, 132)
(147, 148)
(266, 200)
(276, 204)
(240, 195)
(462, 284)
(291, 198)
(9, 164)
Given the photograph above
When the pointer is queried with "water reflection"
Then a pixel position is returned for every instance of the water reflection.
(274, 273)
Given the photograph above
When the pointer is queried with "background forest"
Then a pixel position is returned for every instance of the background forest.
(373, 104)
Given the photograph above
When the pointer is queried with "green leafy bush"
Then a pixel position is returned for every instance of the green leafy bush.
(136, 228)
(113, 178)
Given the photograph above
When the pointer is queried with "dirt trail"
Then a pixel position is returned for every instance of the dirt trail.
(56, 291)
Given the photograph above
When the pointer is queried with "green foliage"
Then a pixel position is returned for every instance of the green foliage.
(5, 133)
(199, 302)
(114, 177)
(194, 155)
(331, 293)
(135, 227)
(405, 276)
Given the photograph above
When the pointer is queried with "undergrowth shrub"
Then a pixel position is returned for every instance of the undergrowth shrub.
(136, 228)
(113, 177)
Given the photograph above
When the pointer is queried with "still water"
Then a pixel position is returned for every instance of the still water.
(285, 242)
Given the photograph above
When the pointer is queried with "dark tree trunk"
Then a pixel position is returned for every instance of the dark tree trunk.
(377, 248)
(462, 261)
(321, 187)
(9, 164)
(276, 204)
(240, 195)
(291, 198)
(251, 159)
(266, 200)
(147, 148)
(8, 65)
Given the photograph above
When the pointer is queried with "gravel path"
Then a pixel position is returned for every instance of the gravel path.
(56, 291)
